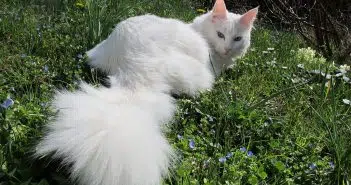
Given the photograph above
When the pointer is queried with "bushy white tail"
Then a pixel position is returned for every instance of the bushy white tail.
(111, 136)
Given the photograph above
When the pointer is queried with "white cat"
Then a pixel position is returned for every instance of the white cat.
(227, 34)
(112, 136)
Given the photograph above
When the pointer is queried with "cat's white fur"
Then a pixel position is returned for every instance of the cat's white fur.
(112, 136)
(224, 51)
(153, 34)
(123, 54)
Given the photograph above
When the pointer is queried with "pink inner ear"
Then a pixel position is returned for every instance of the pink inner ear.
(248, 18)
(219, 10)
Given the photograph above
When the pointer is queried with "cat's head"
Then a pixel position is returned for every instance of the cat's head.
(227, 33)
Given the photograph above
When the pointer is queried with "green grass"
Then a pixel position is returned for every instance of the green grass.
(296, 126)
(258, 104)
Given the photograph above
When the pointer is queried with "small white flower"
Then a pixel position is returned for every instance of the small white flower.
(272, 63)
(343, 71)
(295, 80)
(270, 49)
(339, 74)
(265, 52)
(231, 66)
(328, 77)
(284, 67)
(300, 66)
(316, 71)
(346, 79)
(210, 118)
(306, 54)
(345, 67)
(346, 101)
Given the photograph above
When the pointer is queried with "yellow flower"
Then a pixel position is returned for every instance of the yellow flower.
(201, 10)
(79, 5)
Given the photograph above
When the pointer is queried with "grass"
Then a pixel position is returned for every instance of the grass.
(269, 120)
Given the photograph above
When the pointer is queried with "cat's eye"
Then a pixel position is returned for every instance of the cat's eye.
(220, 35)
(237, 38)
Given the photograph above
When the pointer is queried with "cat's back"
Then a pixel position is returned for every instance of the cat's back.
(150, 31)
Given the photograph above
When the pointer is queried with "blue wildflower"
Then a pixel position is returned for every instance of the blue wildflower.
(222, 159)
(7, 103)
(179, 136)
(243, 149)
(43, 104)
(191, 144)
(332, 165)
(229, 155)
(313, 166)
(250, 153)
(46, 68)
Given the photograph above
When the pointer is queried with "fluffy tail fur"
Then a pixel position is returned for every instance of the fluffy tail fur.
(111, 136)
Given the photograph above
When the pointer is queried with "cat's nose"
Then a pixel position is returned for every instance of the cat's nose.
(226, 50)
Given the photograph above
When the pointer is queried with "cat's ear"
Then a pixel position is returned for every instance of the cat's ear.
(249, 17)
(219, 10)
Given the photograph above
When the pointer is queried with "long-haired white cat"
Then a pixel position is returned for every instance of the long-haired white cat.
(112, 136)
(227, 35)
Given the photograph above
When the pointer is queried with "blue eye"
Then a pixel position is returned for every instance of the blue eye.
(237, 38)
(220, 35)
